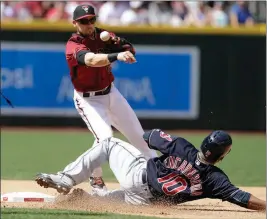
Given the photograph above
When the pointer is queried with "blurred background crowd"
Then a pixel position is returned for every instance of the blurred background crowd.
(175, 13)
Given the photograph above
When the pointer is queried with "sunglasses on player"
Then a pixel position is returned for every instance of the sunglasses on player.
(87, 21)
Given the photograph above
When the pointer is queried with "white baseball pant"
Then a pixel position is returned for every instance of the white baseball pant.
(126, 162)
(101, 112)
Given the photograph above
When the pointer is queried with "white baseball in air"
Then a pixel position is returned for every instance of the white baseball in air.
(104, 36)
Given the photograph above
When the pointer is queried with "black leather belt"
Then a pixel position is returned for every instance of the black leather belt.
(98, 93)
(144, 176)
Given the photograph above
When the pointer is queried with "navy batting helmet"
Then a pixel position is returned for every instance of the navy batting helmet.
(216, 145)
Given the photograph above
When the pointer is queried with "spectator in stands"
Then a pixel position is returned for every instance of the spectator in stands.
(2, 7)
(57, 13)
(35, 8)
(217, 16)
(240, 14)
(8, 10)
(26, 11)
(136, 14)
(175, 13)
(192, 6)
(198, 15)
(23, 12)
(159, 13)
(46, 6)
(179, 13)
(70, 7)
(110, 12)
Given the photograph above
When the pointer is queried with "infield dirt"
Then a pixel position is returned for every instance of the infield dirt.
(205, 208)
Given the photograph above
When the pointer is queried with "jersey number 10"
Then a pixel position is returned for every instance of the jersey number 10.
(173, 184)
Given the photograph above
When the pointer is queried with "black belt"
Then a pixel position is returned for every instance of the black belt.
(98, 93)
(144, 176)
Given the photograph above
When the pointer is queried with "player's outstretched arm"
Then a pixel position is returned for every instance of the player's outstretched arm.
(95, 60)
(222, 188)
(247, 200)
(256, 204)
(100, 60)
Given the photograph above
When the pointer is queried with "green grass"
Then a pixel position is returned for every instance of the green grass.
(10, 213)
(24, 153)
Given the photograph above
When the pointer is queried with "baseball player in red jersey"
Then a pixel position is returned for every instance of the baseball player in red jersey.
(96, 98)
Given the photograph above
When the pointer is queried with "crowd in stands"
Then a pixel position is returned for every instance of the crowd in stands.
(154, 13)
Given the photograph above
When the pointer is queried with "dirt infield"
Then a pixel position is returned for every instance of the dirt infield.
(205, 208)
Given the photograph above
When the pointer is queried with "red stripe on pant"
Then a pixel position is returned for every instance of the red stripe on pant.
(84, 116)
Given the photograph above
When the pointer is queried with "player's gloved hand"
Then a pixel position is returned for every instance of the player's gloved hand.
(128, 47)
(126, 57)
(121, 44)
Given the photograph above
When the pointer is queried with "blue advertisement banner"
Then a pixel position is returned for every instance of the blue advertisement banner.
(164, 83)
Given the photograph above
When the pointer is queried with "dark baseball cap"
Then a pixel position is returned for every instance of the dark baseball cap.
(83, 11)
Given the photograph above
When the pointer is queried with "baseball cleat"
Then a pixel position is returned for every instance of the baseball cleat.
(97, 182)
(60, 182)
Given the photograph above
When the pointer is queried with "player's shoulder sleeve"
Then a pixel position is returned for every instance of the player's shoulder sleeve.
(219, 185)
(73, 46)
(165, 143)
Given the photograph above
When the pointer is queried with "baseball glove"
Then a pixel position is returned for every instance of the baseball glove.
(120, 45)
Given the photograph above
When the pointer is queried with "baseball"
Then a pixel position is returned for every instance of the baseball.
(104, 36)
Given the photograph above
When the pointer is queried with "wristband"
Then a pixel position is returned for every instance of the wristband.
(112, 57)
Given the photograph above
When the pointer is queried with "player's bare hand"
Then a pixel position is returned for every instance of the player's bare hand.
(127, 57)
